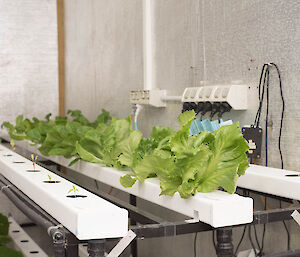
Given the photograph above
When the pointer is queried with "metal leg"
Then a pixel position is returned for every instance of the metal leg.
(71, 245)
(96, 248)
(133, 245)
(224, 242)
(58, 244)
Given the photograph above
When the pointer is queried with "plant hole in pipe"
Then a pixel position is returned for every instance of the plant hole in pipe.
(51, 181)
(33, 170)
(7, 155)
(18, 162)
(76, 196)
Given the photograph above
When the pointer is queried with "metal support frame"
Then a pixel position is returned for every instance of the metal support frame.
(150, 226)
(96, 248)
(132, 201)
(71, 245)
(58, 244)
(224, 247)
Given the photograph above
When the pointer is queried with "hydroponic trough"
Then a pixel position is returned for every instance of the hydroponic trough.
(216, 208)
(87, 218)
(272, 181)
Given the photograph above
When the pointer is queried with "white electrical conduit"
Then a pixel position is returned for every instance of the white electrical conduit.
(148, 45)
(168, 98)
(148, 42)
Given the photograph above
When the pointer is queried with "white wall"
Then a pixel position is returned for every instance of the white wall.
(28, 58)
(103, 51)
(28, 64)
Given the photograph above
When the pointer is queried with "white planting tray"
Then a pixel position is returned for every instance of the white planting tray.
(272, 181)
(87, 218)
(216, 208)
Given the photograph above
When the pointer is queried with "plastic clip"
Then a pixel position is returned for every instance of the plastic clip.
(54, 227)
(5, 187)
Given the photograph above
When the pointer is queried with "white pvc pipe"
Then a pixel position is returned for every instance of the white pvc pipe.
(171, 98)
(87, 218)
(148, 44)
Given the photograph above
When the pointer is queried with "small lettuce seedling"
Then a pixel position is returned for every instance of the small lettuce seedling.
(12, 144)
(74, 190)
(51, 181)
(34, 159)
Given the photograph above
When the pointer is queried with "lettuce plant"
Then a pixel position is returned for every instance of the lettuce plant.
(190, 164)
(74, 190)
(183, 163)
(34, 159)
(12, 144)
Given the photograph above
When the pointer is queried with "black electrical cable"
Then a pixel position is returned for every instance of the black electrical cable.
(241, 240)
(288, 235)
(260, 93)
(256, 239)
(264, 82)
(251, 241)
(262, 241)
(259, 89)
(195, 245)
(267, 116)
(279, 145)
(264, 233)
(282, 113)
(287, 230)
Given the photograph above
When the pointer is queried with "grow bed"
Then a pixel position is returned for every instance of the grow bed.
(216, 208)
(272, 181)
(88, 217)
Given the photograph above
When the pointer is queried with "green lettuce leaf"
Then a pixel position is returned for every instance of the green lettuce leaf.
(227, 162)
(7, 252)
(128, 148)
(127, 181)
(4, 225)
(187, 164)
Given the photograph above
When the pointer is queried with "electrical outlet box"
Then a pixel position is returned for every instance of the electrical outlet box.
(235, 95)
(148, 97)
(253, 135)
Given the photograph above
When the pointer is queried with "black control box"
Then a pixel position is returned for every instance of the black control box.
(253, 135)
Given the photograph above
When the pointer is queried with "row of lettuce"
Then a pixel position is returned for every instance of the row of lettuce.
(183, 163)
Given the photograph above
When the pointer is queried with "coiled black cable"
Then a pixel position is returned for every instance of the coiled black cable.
(264, 83)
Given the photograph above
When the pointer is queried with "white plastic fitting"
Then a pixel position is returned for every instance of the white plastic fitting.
(235, 95)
